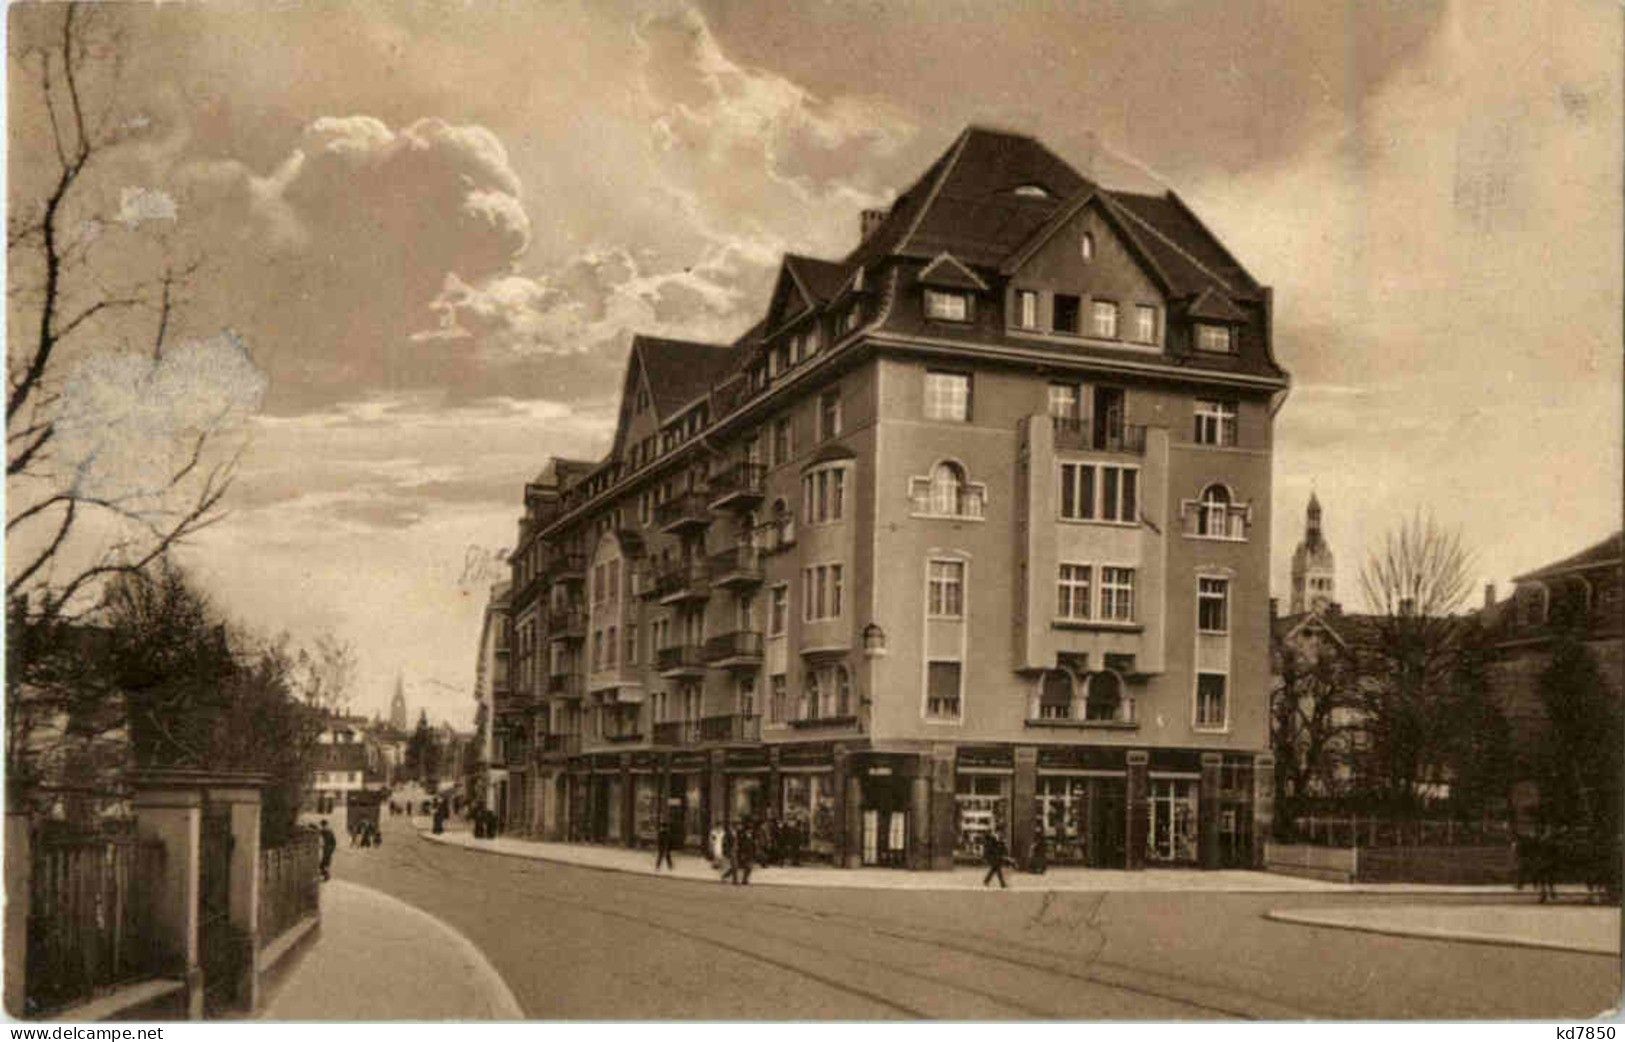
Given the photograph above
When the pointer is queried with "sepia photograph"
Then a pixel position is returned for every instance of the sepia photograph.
(720, 512)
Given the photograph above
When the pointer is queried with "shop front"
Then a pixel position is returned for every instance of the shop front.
(1171, 830)
(885, 783)
(746, 793)
(807, 803)
(686, 796)
(1080, 804)
(983, 782)
(646, 798)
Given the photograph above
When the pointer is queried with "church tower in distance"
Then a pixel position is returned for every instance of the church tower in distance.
(1314, 570)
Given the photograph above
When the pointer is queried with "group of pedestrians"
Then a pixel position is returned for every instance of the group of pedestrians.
(365, 833)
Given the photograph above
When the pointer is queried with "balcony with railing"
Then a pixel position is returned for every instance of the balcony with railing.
(845, 722)
(737, 568)
(740, 648)
(677, 733)
(680, 660)
(1101, 713)
(682, 513)
(735, 727)
(740, 486)
(682, 581)
(566, 624)
(1085, 435)
(560, 745)
(565, 685)
(567, 565)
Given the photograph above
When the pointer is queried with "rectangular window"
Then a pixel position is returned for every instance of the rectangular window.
(1105, 325)
(1117, 594)
(1027, 309)
(947, 590)
(1213, 605)
(1210, 700)
(822, 594)
(942, 690)
(1214, 338)
(1068, 312)
(1145, 324)
(1073, 592)
(829, 415)
(783, 445)
(611, 647)
(779, 697)
(948, 307)
(1114, 497)
(1215, 422)
(778, 611)
(947, 396)
(631, 645)
(1063, 401)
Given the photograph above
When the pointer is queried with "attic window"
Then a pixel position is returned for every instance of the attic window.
(1086, 246)
(1032, 191)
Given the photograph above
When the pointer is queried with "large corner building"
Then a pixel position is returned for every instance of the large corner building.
(969, 532)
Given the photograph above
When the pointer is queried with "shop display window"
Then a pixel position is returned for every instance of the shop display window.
(983, 804)
(1172, 833)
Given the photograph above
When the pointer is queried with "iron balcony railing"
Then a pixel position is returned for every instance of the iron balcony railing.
(677, 732)
(683, 579)
(681, 511)
(1086, 435)
(561, 745)
(848, 722)
(564, 685)
(566, 623)
(740, 484)
(680, 657)
(735, 727)
(738, 566)
(741, 645)
(565, 564)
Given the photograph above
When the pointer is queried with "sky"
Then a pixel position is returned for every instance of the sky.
(425, 233)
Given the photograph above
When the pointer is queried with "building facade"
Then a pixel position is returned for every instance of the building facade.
(969, 533)
(490, 689)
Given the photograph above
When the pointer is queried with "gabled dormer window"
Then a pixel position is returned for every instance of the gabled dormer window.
(946, 306)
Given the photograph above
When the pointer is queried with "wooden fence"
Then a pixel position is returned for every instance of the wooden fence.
(290, 884)
(90, 918)
(1371, 832)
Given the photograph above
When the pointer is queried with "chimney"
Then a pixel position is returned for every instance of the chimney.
(1489, 595)
(1407, 606)
(869, 221)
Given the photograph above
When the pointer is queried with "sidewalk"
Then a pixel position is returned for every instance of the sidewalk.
(691, 866)
(379, 958)
(1594, 930)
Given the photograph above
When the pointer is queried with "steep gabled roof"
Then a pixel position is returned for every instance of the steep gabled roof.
(679, 371)
(1216, 306)
(1606, 552)
(821, 280)
(1184, 248)
(950, 272)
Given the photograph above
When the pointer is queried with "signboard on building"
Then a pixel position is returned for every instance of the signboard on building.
(987, 757)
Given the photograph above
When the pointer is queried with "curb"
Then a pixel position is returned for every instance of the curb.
(1392, 889)
(1433, 934)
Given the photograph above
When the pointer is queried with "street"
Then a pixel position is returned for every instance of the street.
(576, 943)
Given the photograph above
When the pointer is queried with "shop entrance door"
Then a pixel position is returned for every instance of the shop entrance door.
(1108, 823)
(1172, 835)
(885, 822)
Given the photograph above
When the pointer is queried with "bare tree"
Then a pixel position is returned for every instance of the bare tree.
(93, 307)
(1415, 582)
(1311, 722)
(68, 532)
(326, 674)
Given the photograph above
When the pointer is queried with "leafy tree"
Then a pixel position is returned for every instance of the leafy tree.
(1479, 739)
(1310, 723)
(1580, 759)
(423, 752)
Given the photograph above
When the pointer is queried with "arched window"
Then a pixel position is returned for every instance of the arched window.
(1055, 696)
(946, 492)
(843, 692)
(947, 483)
(1105, 698)
(1213, 518)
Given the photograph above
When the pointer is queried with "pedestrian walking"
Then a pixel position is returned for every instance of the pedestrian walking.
(730, 840)
(995, 855)
(745, 846)
(330, 843)
(377, 835)
(663, 845)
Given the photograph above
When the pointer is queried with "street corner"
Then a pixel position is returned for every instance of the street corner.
(1588, 929)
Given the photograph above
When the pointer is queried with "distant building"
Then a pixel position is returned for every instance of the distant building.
(491, 688)
(347, 762)
(1585, 588)
(1314, 569)
(397, 705)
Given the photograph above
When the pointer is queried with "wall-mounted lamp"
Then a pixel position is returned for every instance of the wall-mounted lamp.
(874, 641)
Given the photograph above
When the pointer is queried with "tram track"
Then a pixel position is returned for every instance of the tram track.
(710, 926)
